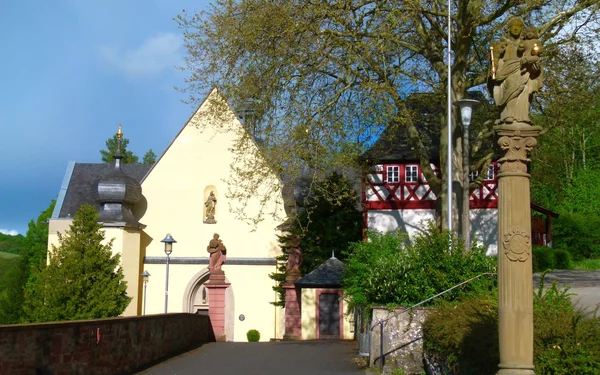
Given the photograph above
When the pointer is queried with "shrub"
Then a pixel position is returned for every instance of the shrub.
(388, 269)
(562, 259)
(543, 258)
(253, 335)
(578, 234)
(465, 336)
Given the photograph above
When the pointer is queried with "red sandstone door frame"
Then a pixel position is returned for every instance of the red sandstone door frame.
(340, 295)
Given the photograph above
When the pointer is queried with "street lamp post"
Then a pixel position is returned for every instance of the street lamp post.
(466, 110)
(168, 241)
(145, 276)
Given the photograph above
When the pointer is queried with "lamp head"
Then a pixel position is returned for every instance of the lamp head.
(145, 276)
(466, 109)
(168, 241)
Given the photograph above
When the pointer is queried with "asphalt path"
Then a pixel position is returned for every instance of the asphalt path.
(263, 358)
(584, 286)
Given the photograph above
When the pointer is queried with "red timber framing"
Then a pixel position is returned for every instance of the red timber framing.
(400, 186)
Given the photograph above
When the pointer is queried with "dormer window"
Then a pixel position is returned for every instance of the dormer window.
(393, 174)
(412, 173)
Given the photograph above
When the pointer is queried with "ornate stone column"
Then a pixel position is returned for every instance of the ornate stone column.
(293, 306)
(216, 303)
(515, 285)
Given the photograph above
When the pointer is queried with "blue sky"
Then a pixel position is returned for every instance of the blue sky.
(70, 72)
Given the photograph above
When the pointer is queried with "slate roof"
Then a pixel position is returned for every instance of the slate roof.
(84, 181)
(328, 274)
(394, 143)
(426, 112)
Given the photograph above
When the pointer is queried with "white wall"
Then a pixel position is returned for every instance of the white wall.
(484, 224)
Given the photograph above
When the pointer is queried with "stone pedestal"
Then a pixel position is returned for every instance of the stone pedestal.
(515, 285)
(216, 303)
(293, 305)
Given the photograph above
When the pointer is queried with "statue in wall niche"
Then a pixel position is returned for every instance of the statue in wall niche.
(515, 71)
(294, 255)
(217, 252)
(210, 204)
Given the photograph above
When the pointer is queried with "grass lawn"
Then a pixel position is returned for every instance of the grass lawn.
(586, 264)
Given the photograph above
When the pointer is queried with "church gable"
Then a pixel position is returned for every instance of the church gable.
(190, 187)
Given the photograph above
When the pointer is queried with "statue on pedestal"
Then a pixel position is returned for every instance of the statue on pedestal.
(217, 252)
(210, 204)
(515, 71)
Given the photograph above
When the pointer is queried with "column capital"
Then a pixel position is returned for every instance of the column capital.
(516, 141)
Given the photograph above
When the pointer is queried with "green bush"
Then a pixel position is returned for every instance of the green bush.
(388, 269)
(562, 259)
(543, 258)
(578, 234)
(253, 335)
(464, 336)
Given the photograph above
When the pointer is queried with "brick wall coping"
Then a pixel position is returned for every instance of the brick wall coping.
(49, 325)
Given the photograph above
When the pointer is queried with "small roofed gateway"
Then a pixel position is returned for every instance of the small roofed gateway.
(176, 221)
(324, 313)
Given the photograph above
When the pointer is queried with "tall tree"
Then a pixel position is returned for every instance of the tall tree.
(83, 279)
(326, 77)
(328, 223)
(149, 157)
(569, 111)
(111, 148)
(34, 248)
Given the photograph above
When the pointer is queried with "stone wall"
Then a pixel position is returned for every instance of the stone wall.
(402, 339)
(106, 346)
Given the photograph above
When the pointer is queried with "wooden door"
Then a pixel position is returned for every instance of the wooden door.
(329, 316)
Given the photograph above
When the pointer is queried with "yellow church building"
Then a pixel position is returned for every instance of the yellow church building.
(185, 194)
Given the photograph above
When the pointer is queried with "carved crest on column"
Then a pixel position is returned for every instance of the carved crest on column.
(517, 245)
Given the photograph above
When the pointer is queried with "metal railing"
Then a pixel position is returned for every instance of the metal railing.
(380, 323)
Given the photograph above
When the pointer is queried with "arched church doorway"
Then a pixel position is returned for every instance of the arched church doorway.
(196, 297)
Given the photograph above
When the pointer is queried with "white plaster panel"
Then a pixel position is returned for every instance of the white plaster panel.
(421, 190)
(370, 194)
(409, 221)
(375, 177)
(484, 228)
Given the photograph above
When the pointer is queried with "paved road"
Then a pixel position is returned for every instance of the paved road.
(264, 358)
(585, 286)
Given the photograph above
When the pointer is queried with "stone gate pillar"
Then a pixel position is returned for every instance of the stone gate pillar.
(515, 285)
(293, 306)
(216, 302)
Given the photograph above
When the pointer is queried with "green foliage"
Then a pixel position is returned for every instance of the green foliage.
(149, 157)
(582, 195)
(586, 264)
(83, 280)
(111, 148)
(579, 234)
(11, 293)
(388, 269)
(329, 222)
(465, 336)
(543, 258)
(11, 244)
(253, 335)
(36, 240)
(565, 163)
(562, 259)
(33, 258)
